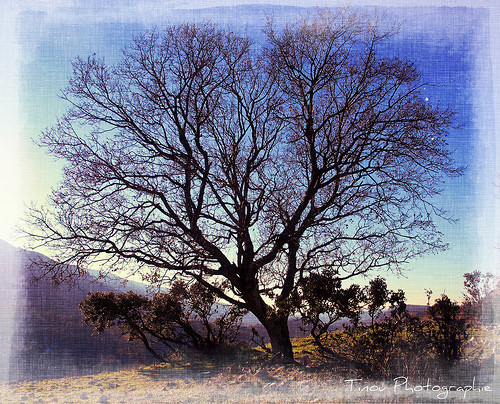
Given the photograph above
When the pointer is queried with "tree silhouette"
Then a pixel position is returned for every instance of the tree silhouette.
(450, 331)
(247, 166)
(186, 316)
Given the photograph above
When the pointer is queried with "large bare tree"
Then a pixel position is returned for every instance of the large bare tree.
(247, 166)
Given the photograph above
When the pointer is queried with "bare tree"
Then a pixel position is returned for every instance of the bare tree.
(207, 156)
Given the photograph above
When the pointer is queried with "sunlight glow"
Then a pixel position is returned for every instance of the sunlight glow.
(10, 178)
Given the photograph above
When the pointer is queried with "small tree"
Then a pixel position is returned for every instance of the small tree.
(428, 293)
(185, 316)
(447, 329)
(204, 156)
(478, 287)
(321, 301)
(377, 296)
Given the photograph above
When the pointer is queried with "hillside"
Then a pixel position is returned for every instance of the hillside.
(45, 329)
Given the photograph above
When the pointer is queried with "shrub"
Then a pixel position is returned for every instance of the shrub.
(187, 316)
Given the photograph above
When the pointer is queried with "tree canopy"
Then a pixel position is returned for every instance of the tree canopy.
(247, 167)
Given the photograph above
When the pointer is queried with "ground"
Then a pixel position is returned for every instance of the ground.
(242, 377)
(274, 384)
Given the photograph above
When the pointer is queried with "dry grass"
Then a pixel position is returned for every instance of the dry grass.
(156, 384)
(202, 381)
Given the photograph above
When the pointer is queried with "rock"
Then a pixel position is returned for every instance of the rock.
(271, 386)
(103, 399)
(263, 374)
(305, 361)
(285, 384)
(235, 370)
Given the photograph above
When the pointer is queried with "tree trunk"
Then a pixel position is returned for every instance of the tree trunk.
(281, 346)
(275, 325)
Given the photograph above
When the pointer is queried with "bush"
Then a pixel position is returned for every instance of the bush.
(387, 349)
(187, 316)
(394, 343)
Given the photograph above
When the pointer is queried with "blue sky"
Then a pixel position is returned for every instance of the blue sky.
(454, 48)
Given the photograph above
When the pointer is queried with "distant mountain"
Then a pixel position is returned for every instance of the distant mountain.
(43, 334)
(417, 310)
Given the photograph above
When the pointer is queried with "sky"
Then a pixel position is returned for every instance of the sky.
(454, 45)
